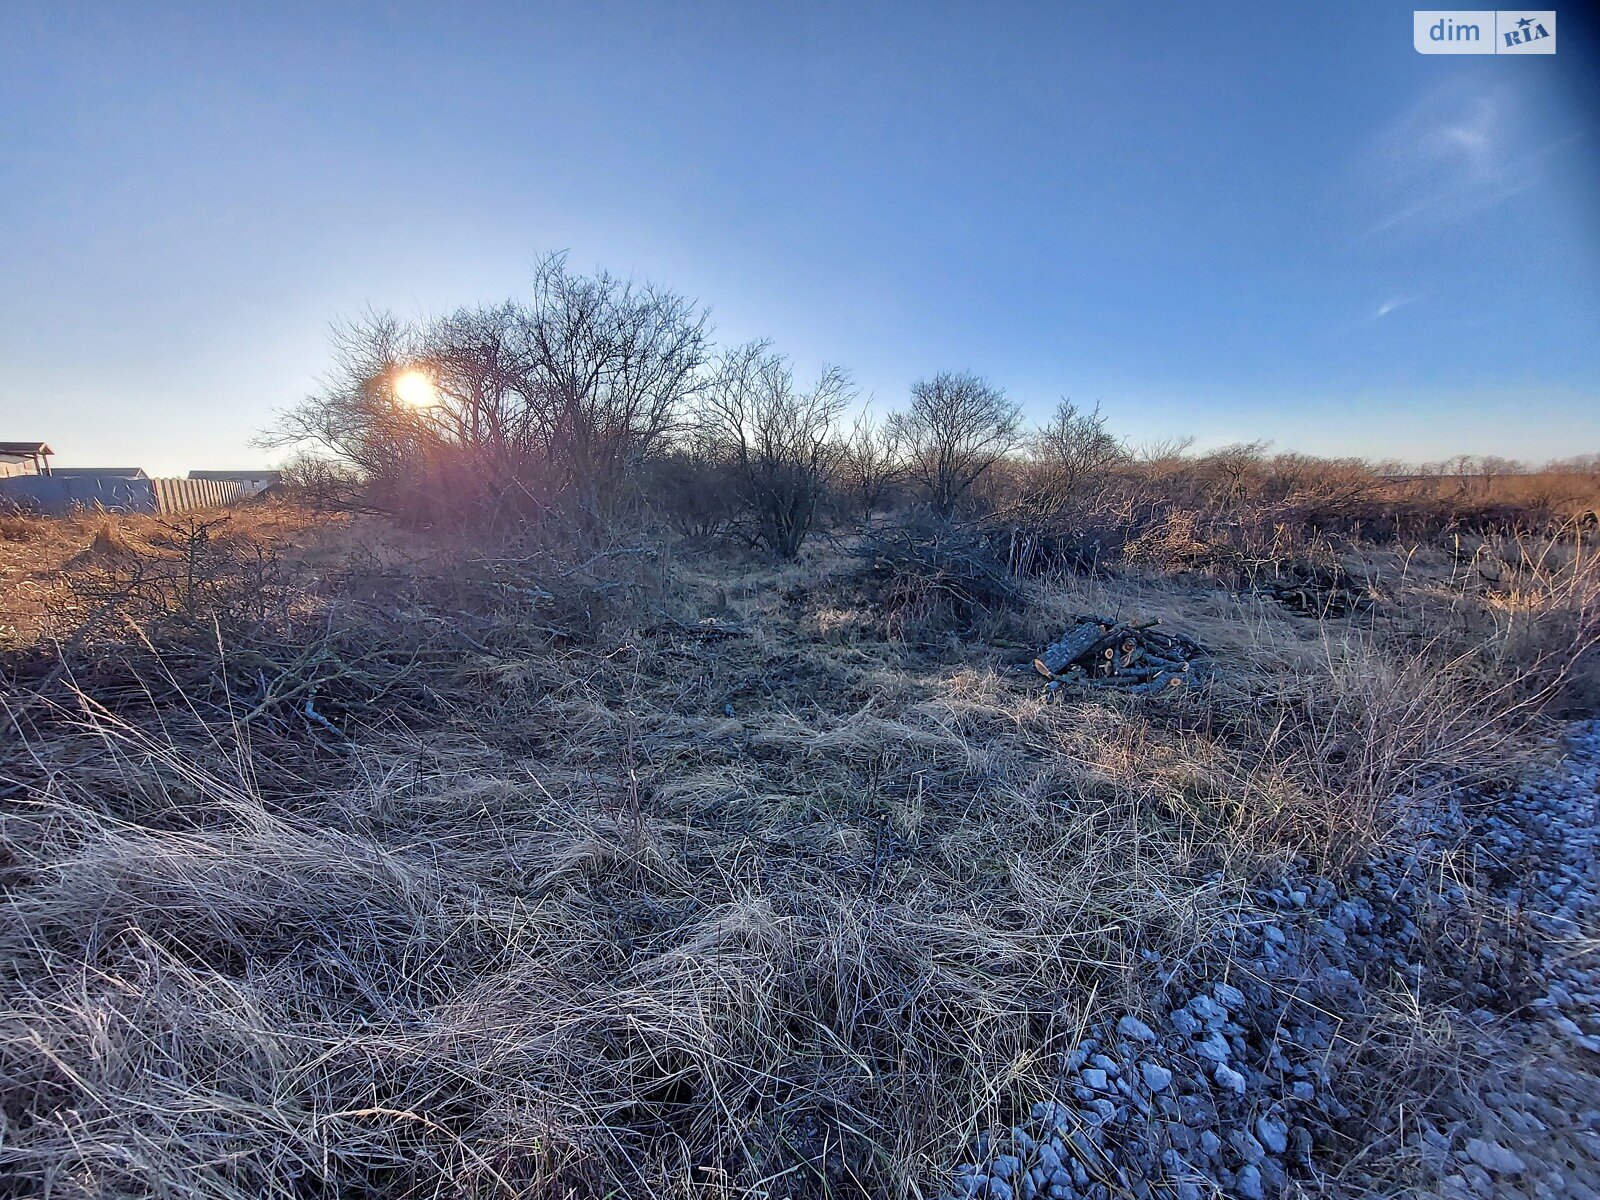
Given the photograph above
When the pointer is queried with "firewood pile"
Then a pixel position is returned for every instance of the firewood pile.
(1133, 659)
(1312, 601)
(1316, 591)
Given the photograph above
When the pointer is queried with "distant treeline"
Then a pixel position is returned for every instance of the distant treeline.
(595, 398)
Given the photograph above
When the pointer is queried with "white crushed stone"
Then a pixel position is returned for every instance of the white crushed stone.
(1236, 1087)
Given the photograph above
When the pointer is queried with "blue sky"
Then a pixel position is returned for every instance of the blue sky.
(1232, 221)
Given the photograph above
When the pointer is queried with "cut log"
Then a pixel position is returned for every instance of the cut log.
(1078, 641)
(1130, 659)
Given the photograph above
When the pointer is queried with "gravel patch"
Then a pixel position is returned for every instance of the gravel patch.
(1243, 1086)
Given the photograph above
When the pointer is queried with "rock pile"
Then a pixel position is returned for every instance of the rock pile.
(1543, 845)
(1178, 1113)
(1233, 1086)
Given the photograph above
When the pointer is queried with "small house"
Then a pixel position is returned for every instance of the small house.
(250, 483)
(100, 472)
(24, 458)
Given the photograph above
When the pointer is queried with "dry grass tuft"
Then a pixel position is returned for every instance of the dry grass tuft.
(17, 527)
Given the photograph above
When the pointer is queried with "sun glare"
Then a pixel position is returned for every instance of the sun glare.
(415, 388)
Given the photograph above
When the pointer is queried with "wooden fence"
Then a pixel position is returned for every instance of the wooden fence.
(180, 495)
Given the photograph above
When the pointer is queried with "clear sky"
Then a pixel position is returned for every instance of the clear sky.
(1270, 220)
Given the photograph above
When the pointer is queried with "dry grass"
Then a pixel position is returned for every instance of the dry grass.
(572, 897)
(16, 527)
(41, 557)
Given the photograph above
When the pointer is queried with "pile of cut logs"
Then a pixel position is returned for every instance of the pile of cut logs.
(1314, 599)
(1315, 589)
(1133, 659)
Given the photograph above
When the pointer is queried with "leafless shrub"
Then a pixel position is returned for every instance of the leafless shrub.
(1163, 456)
(1081, 541)
(188, 572)
(924, 575)
(781, 443)
(871, 467)
(1306, 479)
(958, 426)
(1232, 473)
(1073, 456)
(1071, 509)
(611, 365)
(321, 485)
(694, 487)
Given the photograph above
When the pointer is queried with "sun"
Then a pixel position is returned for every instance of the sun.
(416, 389)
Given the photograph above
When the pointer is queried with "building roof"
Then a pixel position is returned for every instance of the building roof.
(109, 472)
(239, 475)
(28, 448)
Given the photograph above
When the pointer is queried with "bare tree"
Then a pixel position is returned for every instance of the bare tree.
(611, 365)
(957, 427)
(559, 395)
(456, 440)
(781, 441)
(1073, 451)
(480, 368)
(1230, 470)
(354, 416)
(872, 464)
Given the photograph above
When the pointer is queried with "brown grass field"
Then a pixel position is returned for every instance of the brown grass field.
(345, 860)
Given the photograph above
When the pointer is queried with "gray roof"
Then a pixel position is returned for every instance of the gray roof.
(105, 472)
(239, 475)
(28, 448)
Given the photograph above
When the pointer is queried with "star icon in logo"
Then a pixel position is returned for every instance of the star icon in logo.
(1525, 22)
